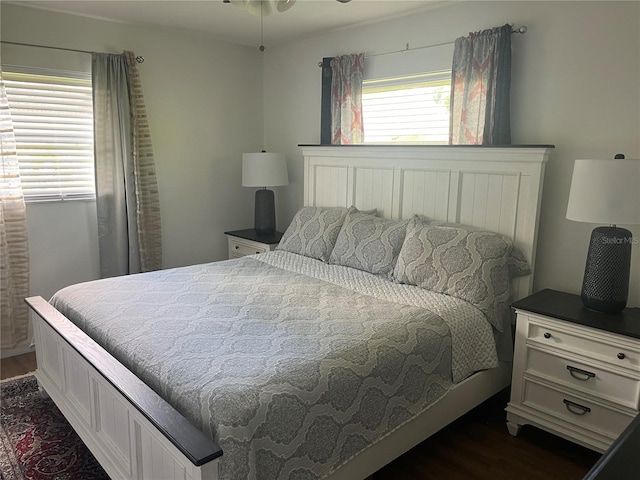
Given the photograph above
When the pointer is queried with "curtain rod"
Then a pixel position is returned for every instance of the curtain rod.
(521, 30)
(139, 58)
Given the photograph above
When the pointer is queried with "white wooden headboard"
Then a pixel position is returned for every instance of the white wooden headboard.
(497, 188)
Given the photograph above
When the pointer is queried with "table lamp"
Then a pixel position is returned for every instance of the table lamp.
(264, 170)
(606, 191)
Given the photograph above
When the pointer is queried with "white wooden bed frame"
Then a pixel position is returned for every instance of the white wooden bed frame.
(136, 435)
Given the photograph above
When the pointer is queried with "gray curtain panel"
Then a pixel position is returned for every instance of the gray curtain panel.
(115, 185)
(481, 88)
(127, 197)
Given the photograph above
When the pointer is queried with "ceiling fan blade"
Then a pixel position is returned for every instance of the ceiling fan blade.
(284, 5)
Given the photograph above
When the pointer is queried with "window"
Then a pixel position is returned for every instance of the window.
(409, 109)
(52, 115)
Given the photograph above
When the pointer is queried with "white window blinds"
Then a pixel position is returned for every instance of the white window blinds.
(52, 115)
(410, 109)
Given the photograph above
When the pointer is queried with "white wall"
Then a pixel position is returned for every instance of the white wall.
(575, 84)
(204, 105)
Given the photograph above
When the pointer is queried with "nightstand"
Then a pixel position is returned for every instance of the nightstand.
(248, 242)
(576, 372)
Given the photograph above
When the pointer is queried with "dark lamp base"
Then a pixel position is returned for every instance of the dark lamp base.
(265, 212)
(605, 287)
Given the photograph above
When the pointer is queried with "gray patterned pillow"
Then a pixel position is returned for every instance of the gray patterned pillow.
(464, 262)
(369, 243)
(517, 263)
(313, 232)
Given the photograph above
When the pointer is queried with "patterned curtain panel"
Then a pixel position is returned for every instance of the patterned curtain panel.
(147, 196)
(126, 187)
(346, 99)
(14, 246)
(480, 88)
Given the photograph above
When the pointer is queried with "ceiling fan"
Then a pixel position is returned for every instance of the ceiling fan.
(262, 8)
(266, 7)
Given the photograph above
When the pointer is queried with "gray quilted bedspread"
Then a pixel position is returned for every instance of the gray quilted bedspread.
(291, 365)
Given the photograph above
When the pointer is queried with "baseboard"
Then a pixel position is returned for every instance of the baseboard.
(19, 350)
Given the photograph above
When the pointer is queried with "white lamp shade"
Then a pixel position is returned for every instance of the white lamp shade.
(605, 192)
(264, 170)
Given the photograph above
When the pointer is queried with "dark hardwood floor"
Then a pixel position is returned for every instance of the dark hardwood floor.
(477, 446)
(18, 365)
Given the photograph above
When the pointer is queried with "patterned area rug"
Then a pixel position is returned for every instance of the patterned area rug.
(36, 442)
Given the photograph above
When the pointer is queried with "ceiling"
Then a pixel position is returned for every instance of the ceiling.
(228, 22)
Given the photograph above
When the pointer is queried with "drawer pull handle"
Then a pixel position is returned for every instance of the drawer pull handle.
(621, 356)
(257, 253)
(547, 335)
(580, 374)
(576, 408)
(237, 247)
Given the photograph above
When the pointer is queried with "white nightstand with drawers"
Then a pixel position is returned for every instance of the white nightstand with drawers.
(576, 372)
(248, 242)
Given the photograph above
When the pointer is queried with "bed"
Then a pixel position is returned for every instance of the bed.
(281, 378)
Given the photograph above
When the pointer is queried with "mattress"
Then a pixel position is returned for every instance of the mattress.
(293, 366)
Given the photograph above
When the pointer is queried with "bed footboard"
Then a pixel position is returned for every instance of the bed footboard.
(131, 431)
